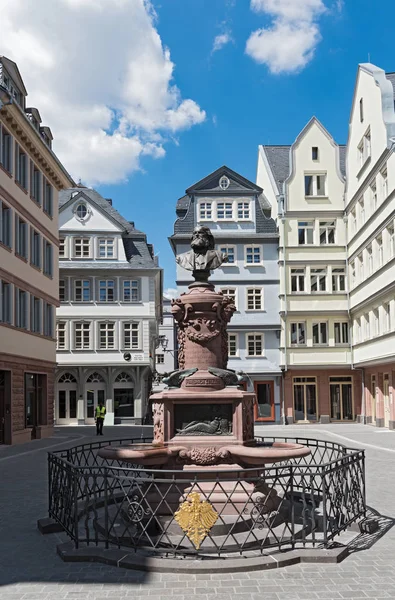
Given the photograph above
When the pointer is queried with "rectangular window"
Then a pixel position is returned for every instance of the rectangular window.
(305, 398)
(369, 251)
(361, 208)
(160, 359)
(391, 239)
(327, 232)
(341, 333)
(254, 298)
(106, 290)
(6, 303)
(35, 248)
(35, 314)
(254, 344)
(367, 327)
(61, 335)
(106, 248)
(82, 290)
(21, 237)
(384, 184)
(48, 258)
(5, 225)
(131, 337)
(354, 220)
(353, 274)
(253, 255)
(131, 291)
(320, 334)
(360, 267)
(386, 317)
(243, 211)
(231, 293)
(225, 211)
(82, 336)
(107, 336)
(205, 211)
(21, 309)
(48, 198)
(298, 280)
(62, 247)
(364, 149)
(21, 163)
(298, 334)
(35, 183)
(373, 196)
(82, 247)
(338, 279)
(380, 251)
(318, 280)
(314, 153)
(314, 185)
(6, 151)
(375, 322)
(305, 232)
(361, 110)
(48, 320)
(230, 252)
(62, 290)
(232, 344)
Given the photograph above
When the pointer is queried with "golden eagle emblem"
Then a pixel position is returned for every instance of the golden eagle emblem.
(196, 518)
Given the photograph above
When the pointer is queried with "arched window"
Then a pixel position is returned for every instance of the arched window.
(123, 378)
(95, 378)
(67, 378)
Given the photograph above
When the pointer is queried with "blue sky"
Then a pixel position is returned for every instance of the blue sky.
(102, 73)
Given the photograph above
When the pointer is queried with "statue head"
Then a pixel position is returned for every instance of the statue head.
(202, 240)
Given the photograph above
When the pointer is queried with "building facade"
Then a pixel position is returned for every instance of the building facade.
(110, 288)
(30, 179)
(370, 212)
(238, 214)
(305, 184)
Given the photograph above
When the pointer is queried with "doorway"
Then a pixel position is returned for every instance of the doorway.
(341, 398)
(264, 406)
(373, 395)
(66, 399)
(386, 393)
(95, 392)
(305, 399)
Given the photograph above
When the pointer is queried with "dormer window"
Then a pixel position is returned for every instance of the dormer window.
(224, 182)
(106, 248)
(81, 211)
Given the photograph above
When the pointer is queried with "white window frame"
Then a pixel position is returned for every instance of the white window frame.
(364, 148)
(373, 195)
(228, 210)
(339, 280)
(370, 261)
(106, 243)
(107, 327)
(82, 287)
(353, 215)
(84, 243)
(160, 358)
(63, 247)
(380, 251)
(233, 338)
(298, 327)
(107, 288)
(254, 341)
(243, 207)
(386, 317)
(391, 239)
(132, 289)
(133, 327)
(326, 228)
(228, 249)
(384, 183)
(84, 327)
(254, 248)
(257, 296)
(367, 331)
(375, 322)
(297, 275)
(232, 293)
(353, 273)
(64, 329)
(306, 227)
(321, 327)
(206, 210)
(341, 331)
(317, 276)
(314, 185)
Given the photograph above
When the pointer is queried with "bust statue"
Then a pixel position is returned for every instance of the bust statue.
(203, 257)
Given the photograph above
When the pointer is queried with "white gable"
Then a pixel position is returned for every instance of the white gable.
(97, 219)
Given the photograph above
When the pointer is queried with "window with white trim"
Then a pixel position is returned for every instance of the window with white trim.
(35, 248)
(62, 247)
(130, 290)
(224, 211)
(353, 215)
(231, 292)
(318, 280)
(62, 290)
(320, 334)
(230, 253)
(21, 308)
(106, 336)
(367, 327)
(338, 279)
(21, 166)
(298, 280)
(315, 184)
(6, 302)
(391, 239)
(48, 258)
(360, 266)
(205, 211)
(373, 196)
(361, 110)
(48, 319)
(131, 336)
(82, 290)
(35, 314)
(160, 359)
(327, 232)
(298, 334)
(314, 153)
(375, 322)
(233, 346)
(380, 250)
(5, 225)
(35, 183)
(253, 255)
(386, 317)
(106, 290)
(384, 183)
(361, 210)
(305, 232)
(254, 298)
(255, 344)
(341, 333)
(6, 150)
(357, 332)
(21, 234)
(369, 252)
(106, 248)
(353, 273)
(364, 148)
(81, 211)
(243, 211)
(81, 247)
(82, 336)
(61, 333)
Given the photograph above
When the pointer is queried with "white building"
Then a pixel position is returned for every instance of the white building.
(110, 289)
(370, 210)
(166, 351)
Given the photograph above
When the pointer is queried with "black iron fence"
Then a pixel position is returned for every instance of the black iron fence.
(305, 502)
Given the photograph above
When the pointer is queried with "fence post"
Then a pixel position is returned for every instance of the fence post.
(49, 483)
(106, 506)
(364, 483)
(292, 508)
(75, 495)
(324, 514)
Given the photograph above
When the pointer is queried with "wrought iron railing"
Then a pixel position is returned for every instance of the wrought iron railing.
(305, 502)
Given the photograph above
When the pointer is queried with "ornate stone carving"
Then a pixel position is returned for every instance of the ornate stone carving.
(227, 376)
(248, 419)
(201, 330)
(204, 456)
(175, 378)
(217, 426)
(158, 414)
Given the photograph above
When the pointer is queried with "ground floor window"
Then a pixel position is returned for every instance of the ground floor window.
(305, 398)
(124, 402)
(33, 399)
(264, 407)
(341, 398)
(93, 397)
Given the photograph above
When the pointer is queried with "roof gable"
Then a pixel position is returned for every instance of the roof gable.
(238, 184)
(13, 70)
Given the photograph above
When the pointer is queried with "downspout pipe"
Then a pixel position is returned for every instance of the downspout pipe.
(284, 281)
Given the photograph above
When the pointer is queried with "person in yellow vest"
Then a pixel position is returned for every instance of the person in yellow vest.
(99, 417)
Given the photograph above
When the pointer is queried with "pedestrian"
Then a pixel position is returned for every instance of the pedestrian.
(100, 414)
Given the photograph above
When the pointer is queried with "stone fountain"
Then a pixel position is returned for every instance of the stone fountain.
(204, 420)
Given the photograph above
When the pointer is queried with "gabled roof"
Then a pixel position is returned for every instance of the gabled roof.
(13, 70)
(210, 183)
(391, 78)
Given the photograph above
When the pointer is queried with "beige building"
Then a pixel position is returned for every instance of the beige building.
(30, 178)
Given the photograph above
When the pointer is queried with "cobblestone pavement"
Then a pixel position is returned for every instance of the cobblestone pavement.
(31, 570)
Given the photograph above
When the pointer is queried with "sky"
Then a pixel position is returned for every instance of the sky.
(145, 98)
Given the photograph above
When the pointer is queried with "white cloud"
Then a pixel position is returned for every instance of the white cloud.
(221, 40)
(102, 80)
(170, 293)
(290, 42)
